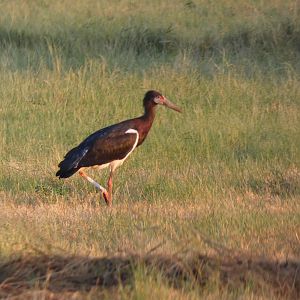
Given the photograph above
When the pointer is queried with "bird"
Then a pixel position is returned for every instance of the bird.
(111, 146)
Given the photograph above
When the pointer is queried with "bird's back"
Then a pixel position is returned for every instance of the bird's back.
(101, 147)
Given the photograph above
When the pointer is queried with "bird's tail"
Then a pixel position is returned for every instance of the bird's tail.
(69, 165)
(65, 174)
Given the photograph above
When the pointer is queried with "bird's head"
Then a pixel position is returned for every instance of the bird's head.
(153, 98)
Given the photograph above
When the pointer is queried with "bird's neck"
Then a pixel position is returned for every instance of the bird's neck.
(149, 114)
(145, 123)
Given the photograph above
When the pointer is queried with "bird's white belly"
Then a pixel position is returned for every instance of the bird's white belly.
(113, 164)
(100, 167)
(117, 163)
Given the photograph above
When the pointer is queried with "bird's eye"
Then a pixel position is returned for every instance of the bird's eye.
(157, 100)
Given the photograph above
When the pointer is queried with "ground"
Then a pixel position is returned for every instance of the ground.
(208, 207)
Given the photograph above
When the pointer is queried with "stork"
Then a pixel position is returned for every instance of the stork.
(111, 146)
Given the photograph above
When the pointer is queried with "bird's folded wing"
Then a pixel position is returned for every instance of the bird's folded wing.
(107, 148)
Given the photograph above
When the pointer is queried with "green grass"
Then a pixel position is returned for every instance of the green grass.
(228, 168)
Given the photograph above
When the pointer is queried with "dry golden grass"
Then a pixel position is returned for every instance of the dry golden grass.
(209, 206)
(63, 277)
(253, 225)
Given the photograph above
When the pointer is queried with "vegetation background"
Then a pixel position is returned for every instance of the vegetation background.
(227, 170)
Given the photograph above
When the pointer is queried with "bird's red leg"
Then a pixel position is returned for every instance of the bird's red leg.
(96, 184)
(109, 188)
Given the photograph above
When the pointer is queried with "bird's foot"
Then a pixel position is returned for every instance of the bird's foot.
(107, 197)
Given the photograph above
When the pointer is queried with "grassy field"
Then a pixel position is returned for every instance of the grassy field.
(209, 206)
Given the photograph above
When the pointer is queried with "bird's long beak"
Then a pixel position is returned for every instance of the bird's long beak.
(171, 105)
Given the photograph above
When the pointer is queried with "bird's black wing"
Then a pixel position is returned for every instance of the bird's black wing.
(103, 146)
(114, 146)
